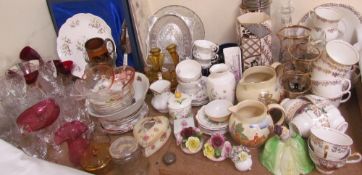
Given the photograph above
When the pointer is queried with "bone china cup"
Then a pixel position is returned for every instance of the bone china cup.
(326, 18)
(329, 143)
(325, 166)
(342, 53)
(331, 88)
(204, 47)
(188, 70)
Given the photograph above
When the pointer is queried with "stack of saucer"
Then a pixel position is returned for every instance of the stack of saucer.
(208, 126)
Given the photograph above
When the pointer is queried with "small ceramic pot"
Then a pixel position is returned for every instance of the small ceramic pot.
(179, 106)
(256, 80)
(161, 93)
(221, 83)
(188, 70)
(251, 122)
(329, 143)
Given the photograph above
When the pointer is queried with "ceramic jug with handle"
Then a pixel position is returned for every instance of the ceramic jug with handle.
(258, 80)
(251, 122)
(221, 83)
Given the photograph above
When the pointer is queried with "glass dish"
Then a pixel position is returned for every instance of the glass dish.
(170, 29)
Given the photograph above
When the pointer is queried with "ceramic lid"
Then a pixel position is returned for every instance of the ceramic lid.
(179, 101)
(148, 130)
(153, 148)
(123, 147)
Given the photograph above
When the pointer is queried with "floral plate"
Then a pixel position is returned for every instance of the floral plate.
(74, 33)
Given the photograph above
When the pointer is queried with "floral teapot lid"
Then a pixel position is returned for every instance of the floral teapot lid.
(149, 129)
(179, 101)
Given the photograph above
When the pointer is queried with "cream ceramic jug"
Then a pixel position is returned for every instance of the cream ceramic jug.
(251, 122)
(258, 80)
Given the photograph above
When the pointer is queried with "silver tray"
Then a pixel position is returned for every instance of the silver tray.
(189, 17)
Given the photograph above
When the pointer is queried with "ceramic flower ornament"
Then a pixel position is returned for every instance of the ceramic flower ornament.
(190, 139)
(241, 157)
(217, 148)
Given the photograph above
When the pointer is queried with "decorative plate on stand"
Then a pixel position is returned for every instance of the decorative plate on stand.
(74, 33)
(193, 22)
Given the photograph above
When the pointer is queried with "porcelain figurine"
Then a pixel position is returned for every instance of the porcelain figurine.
(221, 83)
(286, 153)
(161, 94)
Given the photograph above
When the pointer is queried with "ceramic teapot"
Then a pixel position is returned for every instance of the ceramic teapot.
(161, 93)
(259, 80)
(251, 122)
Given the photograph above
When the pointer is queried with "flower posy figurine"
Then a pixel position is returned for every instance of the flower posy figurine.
(190, 139)
(216, 148)
(241, 158)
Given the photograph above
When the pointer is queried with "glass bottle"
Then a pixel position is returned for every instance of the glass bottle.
(173, 52)
(155, 60)
(169, 70)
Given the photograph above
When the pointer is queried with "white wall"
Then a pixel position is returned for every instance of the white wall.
(27, 22)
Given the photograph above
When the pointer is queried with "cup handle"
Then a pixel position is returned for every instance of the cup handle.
(192, 50)
(347, 98)
(348, 83)
(113, 47)
(354, 158)
(355, 68)
(343, 28)
(215, 48)
(279, 107)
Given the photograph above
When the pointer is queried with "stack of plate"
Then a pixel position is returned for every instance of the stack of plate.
(209, 127)
(123, 120)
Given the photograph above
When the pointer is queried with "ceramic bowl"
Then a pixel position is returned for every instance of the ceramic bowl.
(217, 110)
(188, 70)
(140, 85)
(329, 143)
